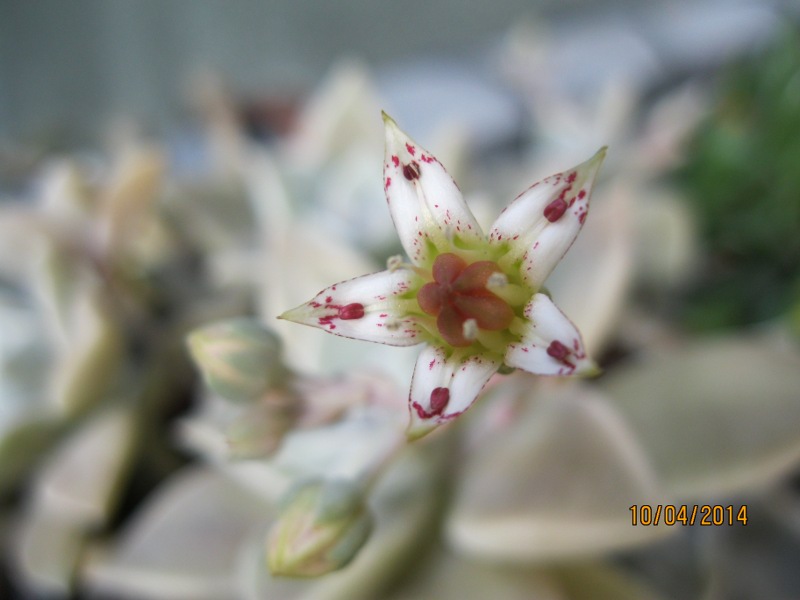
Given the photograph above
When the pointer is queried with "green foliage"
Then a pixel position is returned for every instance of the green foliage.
(743, 178)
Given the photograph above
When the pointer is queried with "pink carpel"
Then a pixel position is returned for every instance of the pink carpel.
(411, 171)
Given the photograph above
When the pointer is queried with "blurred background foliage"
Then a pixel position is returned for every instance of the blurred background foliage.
(743, 185)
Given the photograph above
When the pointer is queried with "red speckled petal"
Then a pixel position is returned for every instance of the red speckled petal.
(551, 345)
(462, 378)
(364, 308)
(540, 225)
(425, 203)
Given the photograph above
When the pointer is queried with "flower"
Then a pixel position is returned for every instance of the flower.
(321, 528)
(239, 358)
(475, 300)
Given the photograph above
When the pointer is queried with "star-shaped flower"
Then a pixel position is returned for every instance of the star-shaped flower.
(473, 299)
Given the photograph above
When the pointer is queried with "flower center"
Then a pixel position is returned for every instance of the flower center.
(459, 299)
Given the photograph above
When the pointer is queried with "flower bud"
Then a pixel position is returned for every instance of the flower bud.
(239, 358)
(258, 430)
(321, 528)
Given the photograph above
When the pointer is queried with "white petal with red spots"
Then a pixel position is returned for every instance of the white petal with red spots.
(444, 387)
(426, 205)
(551, 344)
(365, 308)
(540, 225)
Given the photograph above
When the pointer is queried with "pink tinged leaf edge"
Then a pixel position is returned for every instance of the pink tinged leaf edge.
(364, 308)
(540, 224)
(442, 387)
(551, 344)
(425, 203)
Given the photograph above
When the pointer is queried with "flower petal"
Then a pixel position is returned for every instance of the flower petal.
(365, 308)
(426, 205)
(540, 225)
(551, 345)
(444, 387)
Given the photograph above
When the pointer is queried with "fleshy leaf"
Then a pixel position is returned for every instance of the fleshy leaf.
(426, 205)
(445, 386)
(557, 483)
(347, 449)
(540, 225)
(602, 582)
(74, 494)
(446, 576)
(81, 481)
(551, 345)
(164, 550)
(86, 371)
(48, 552)
(716, 416)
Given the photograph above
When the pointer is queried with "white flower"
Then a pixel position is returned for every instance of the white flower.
(474, 299)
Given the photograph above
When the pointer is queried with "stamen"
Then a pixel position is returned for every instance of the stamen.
(495, 341)
(555, 210)
(351, 312)
(411, 171)
(440, 397)
(518, 327)
(470, 329)
(449, 233)
(396, 262)
(393, 263)
(513, 294)
(496, 281)
(558, 350)
(406, 307)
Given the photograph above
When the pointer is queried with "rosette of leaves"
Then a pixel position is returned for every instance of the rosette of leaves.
(742, 179)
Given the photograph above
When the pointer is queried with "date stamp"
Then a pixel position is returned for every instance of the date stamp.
(705, 515)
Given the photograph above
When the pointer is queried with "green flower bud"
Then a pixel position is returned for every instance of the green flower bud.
(322, 527)
(258, 431)
(240, 359)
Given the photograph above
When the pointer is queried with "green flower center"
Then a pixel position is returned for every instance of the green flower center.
(460, 300)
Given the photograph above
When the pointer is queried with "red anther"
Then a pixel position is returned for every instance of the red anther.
(440, 397)
(555, 210)
(557, 350)
(411, 171)
(351, 311)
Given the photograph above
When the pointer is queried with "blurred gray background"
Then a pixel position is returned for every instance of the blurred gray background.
(75, 65)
